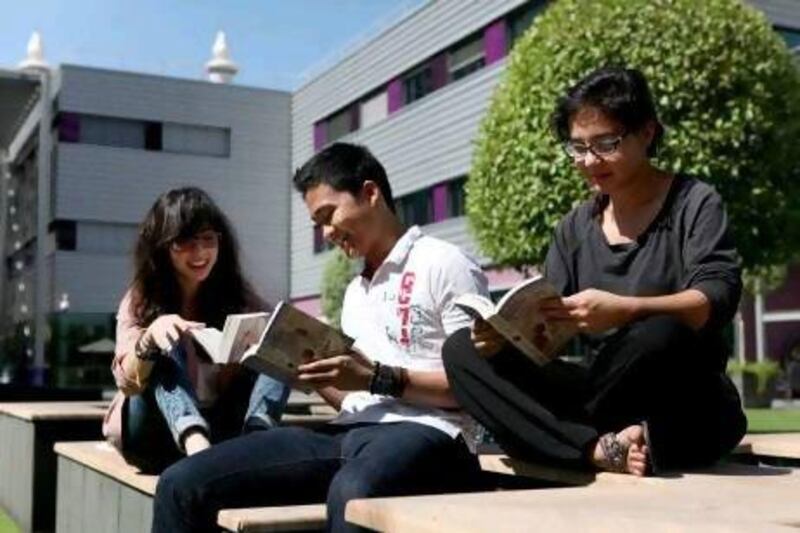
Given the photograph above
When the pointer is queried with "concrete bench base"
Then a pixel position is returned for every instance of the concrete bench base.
(27, 462)
(99, 491)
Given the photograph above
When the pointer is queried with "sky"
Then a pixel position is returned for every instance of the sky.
(276, 43)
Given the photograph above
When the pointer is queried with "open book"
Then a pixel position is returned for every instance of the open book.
(275, 344)
(517, 318)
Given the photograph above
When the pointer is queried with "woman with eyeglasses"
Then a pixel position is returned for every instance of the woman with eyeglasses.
(650, 278)
(186, 275)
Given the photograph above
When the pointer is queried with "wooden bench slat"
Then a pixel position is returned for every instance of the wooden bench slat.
(735, 498)
(782, 445)
(55, 410)
(285, 518)
(105, 459)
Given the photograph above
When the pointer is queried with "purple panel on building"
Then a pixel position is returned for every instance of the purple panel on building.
(439, 71)
(69, 128)
(494, 42)
(394, 95)
(439, 194)
(320, 135)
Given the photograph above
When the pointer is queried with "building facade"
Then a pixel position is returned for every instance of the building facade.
(118, 140)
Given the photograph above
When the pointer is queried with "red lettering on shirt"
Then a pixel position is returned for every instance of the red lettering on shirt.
(404, 307)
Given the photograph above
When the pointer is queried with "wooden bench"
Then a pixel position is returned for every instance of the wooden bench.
(729, 497)
(313, 516)
(27, 462)
(99, 491)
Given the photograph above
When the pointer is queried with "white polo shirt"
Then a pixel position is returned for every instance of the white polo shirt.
(402, 316)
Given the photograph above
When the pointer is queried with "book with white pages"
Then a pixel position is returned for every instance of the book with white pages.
(518, 318)
(274, 344)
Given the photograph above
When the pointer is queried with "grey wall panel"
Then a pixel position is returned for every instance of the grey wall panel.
(112, 185)
(105, 238)
(427, 142)
(95, 283)
(785, 13)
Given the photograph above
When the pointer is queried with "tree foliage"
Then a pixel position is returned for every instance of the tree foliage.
(726, 87)
(338, 272)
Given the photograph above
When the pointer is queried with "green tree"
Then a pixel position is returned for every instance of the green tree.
(727, 90)
(338, 272)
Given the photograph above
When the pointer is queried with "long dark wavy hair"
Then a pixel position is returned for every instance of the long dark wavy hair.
(176, 215)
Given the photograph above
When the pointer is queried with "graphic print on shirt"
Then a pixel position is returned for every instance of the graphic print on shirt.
(404, 307)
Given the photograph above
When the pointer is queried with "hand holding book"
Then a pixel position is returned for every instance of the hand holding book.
(520, 319)
(349, 371)
(593, 310)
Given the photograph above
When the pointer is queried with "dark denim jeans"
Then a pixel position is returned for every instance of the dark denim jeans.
(291, 465)
(155, 421)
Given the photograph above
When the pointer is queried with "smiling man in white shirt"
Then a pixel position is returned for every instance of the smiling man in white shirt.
(399, 430)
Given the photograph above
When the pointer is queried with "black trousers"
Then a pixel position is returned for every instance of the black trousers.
(656, 370)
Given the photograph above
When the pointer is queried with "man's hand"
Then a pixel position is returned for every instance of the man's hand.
(346, 372)
(486, 339)
(592, 310)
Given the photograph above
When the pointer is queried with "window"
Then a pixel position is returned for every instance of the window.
(108, 131)
(418, 84)
(194, 140)
(521, 20)
(340, 124)
(456, 197)
(466, 57)
(320, 243)
(144, 135)
(448, 199)
(65, 234)
(792, 37)
(153, 136)
(374, 109)
(415, 208)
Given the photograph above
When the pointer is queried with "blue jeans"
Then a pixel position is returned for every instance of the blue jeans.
(292, 465)
(155, 422)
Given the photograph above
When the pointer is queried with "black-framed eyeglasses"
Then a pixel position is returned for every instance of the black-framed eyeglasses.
(600, 147)
(204, 239)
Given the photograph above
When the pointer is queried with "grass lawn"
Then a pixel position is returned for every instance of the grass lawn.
(772, 420)
(6, 525)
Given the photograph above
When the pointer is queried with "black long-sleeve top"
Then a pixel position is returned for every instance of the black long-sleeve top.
(688, 245)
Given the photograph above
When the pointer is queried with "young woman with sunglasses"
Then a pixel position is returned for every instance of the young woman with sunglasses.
(186, 275)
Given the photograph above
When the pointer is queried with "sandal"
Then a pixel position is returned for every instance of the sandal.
(615, 452)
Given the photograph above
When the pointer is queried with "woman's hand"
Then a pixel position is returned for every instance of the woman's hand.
(592, 310)
(486, 339)
(346, 372)
(166, 331)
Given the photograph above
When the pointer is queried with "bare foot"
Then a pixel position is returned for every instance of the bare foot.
(629, 455)
(195, 441)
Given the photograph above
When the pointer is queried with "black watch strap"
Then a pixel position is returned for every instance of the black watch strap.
(388, 380)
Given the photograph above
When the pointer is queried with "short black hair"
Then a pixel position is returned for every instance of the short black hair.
(345, 167)
(620, 93)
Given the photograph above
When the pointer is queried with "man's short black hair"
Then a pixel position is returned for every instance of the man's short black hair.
(622, 94)
(344, 167)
